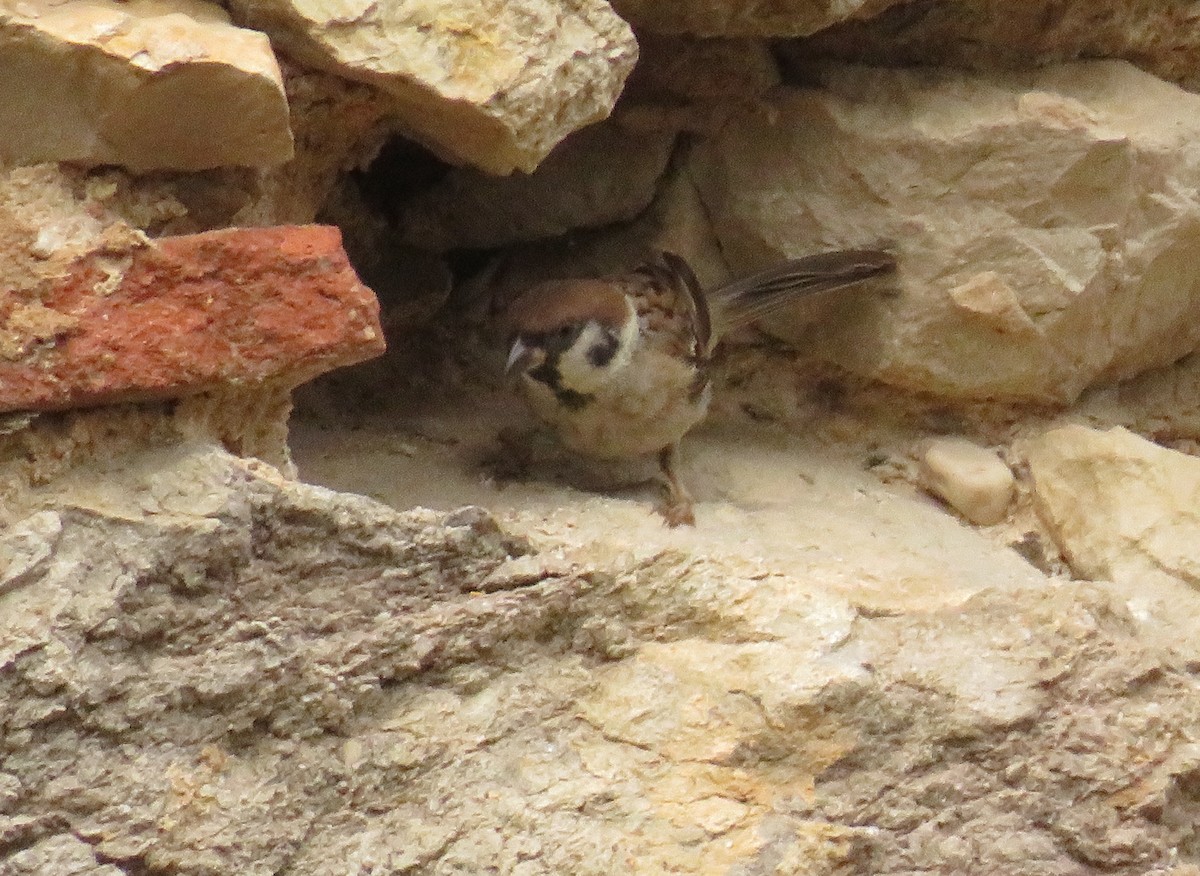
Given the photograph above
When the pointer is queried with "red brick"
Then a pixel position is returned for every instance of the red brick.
(183, 314)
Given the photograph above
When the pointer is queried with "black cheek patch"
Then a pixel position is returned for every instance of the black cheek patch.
(602, 352)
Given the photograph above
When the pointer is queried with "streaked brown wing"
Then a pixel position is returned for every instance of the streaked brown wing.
(673, 304)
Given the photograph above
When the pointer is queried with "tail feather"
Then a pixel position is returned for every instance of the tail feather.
(744, 300)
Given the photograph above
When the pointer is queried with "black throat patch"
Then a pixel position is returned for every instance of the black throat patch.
(548, 374)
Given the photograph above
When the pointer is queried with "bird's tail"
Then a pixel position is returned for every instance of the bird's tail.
(742, 301)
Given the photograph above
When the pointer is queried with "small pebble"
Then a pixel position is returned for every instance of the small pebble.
(973, 480)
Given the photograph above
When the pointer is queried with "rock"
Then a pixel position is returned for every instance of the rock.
(972, 479)
(149, 85)
(1164, 404)
(62, 855)
(136, 320)
(159, 542)
(1120, 507)
(599, 176)
(730, 18)
(477, 83)
(683, 83)
(998, 33)
(1021, 277)
(219, 670)
(979, 777)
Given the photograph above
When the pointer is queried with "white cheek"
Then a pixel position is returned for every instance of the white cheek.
(579, 374)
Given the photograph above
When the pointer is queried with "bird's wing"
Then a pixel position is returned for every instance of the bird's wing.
(744, 300)
(681, 296)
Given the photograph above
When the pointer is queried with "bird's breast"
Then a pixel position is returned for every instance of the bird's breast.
(645, 406)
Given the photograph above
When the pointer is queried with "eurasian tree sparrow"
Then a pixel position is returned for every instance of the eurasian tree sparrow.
(618, 367)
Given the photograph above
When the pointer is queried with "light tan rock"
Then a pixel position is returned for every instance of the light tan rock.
(211, 669)
(1120, 507)
(1046, 222)
(972, 479)
(62, 854)
(479, 83)
(732, 18)
(598, 176)
(146, 84)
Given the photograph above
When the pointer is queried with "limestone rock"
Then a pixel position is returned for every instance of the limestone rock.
(731, 18)
(684, 83)
(479, 83)
(1045, 222)
(135, 320)
(972, 479)
(62, 855)
(146, 84)
(599, 176)
(1120, 507)
(1158, 37)
(207, 668)
(1164, 404)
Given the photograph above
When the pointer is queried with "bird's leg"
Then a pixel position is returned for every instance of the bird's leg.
(677, 509)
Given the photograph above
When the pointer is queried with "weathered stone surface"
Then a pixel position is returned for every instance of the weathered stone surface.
(731, 18)
(1163, 404)
(478, 83)
(138, 320)
(1120, 507)
(1158, 36)
(207, 668)
(977, 750)
(695, 84)
(62, 855)
(972, 479)
(145, 84)
(598, 176)
(1046, 222)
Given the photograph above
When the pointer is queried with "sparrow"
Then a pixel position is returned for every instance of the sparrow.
(620, 367)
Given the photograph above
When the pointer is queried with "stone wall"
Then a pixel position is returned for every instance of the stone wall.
(940, 609)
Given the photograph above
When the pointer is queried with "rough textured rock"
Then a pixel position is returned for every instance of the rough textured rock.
(1124, 510)
(1046, 223)
(1157, 35)
(598, 176)
(694, 84)
(1119, 506)
(207, 668)
(338, 125)
(62, 855)
(478, 83)
(1008, 764)
(145, 84)
(732, 18)
(137, 320)
(972, 479)
(1163, 404)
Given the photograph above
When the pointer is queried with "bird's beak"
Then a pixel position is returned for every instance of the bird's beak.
(519, 357)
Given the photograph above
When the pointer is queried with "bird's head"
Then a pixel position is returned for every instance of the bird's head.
(571, 335)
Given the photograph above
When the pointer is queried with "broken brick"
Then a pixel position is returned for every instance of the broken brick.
(169, 318)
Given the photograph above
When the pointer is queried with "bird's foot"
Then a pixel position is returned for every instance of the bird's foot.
(677, 509)
(677, 513)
